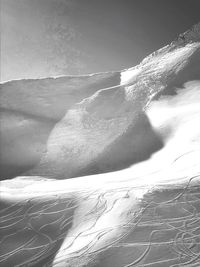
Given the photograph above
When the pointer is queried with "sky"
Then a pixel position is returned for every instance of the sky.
(42, 38)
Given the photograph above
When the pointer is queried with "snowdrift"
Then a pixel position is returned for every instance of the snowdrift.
(110, 130)
(31, 108)
(90, 124)
(133, 140)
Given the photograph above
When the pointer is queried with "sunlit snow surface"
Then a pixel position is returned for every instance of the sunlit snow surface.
(131, 142)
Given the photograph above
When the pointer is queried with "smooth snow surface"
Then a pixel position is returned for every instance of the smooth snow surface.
(109, 165)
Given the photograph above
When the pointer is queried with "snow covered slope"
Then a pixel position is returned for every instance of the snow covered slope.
(31, 108)
(145, 215)
(99, 134)
(110, 130)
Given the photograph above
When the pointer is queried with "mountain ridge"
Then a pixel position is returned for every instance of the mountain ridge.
(189, 36)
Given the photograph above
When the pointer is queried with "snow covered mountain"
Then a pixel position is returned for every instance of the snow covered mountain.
(104, 131)
(135, 137)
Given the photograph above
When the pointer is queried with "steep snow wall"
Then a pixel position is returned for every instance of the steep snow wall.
(71, 126)
(110, 130)
(31, 108)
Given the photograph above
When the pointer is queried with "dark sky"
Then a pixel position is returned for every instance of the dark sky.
(57, 37)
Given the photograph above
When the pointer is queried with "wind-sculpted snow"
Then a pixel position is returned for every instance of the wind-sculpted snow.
(140, 138)
(110, 109)
(110, 130)
(31, 108)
